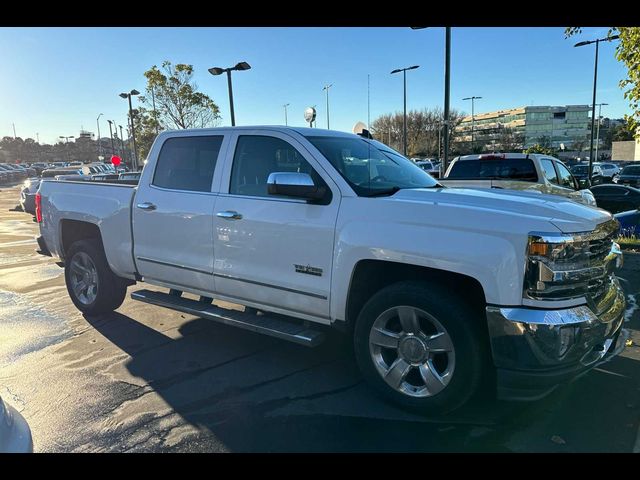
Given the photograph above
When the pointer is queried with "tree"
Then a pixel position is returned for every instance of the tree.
(537, 148)
(422, 130)
(579, 144)
(628, 52)
(178, 104)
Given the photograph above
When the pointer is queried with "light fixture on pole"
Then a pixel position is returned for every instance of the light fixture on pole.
(134, 92)
(326, 88)
(404, 118)
(595, 81)
(220, 71)
(285, 113)
(473, 119)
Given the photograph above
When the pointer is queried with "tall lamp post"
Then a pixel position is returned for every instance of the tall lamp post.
(113, 149)
(285, 113)
(326, 88)
(404, 118)
(598, 127)
(122, 142)
(473, 120)
(133, 128)
(99, 139)
(220, 71)
(595, 81)
(66, 142)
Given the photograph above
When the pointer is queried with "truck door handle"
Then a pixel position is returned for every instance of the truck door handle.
(146, 206)
(229, 215)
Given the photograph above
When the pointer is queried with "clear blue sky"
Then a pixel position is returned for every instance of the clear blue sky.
(55, 80)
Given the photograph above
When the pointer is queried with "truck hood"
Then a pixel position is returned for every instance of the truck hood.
(568, 216)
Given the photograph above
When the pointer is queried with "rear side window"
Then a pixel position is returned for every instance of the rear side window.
(549, 172)
(187, 163)
(501, 169)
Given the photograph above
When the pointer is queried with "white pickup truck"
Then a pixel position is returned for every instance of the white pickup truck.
(443, 290)
(532, 172)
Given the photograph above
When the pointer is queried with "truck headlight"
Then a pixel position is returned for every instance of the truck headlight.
(561, 267)
(588, 197)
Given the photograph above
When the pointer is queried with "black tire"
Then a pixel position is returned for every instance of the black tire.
(111, 289)
(464, 327)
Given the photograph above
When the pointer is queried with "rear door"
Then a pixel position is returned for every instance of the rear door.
(173, 213)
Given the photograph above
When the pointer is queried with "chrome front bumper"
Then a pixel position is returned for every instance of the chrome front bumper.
(534, 350)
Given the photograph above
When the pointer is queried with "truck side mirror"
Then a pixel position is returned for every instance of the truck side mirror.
(293, 184)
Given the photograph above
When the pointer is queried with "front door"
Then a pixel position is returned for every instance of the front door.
(269, 249)
(173, 214)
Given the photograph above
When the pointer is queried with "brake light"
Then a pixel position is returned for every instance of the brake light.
(492, 157)
(38, 207)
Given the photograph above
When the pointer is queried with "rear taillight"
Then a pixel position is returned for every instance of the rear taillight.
(38, 207)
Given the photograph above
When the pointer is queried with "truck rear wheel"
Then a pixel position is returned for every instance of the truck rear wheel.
(421, 347)
(92, 286)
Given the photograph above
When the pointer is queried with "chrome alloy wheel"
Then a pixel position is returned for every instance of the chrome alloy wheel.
(84, 278)
(412, 351)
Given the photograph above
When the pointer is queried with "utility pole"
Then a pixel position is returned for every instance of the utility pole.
(368, 103)
(14, 130)
(285, 113)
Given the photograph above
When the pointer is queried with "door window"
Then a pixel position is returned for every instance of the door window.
(257, 156)
(187, 163)
(549, 172)
(566, 179)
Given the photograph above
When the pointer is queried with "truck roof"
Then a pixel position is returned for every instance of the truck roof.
(513, 156)
(306, 131)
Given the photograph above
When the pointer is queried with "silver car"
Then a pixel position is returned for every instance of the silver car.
(15, 434)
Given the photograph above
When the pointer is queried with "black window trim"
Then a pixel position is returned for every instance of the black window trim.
(555, 169)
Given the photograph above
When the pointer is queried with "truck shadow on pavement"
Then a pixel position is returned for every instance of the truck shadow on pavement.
(245, 392)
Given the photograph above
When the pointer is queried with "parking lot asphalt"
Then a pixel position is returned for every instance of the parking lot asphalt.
(151, 379)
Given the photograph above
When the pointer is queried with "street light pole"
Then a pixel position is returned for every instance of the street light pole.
(285, 113)
(326, 88)
(473, 120)
(447, 85)
(122, 142)
(134, 163)
(99, 139)
(404, 118)
(113, 150)
(595, 81)
(219, 71)
(598, 128)
(66, 142)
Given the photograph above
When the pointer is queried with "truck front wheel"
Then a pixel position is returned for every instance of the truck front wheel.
(421, 347)
(92, 286)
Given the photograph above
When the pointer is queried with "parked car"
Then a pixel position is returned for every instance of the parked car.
(516, 171)
(15, 434)
(616, 198)
(28, 195)
(16, 174)
(322, 229)
(609, 170)
(129, 176)
(629, 175)
(429, 167)
(581, 173)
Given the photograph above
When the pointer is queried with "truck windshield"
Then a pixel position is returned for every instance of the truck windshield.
(521, 169)
(370, 167)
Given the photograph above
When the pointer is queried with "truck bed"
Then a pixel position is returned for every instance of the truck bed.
(104, 204)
